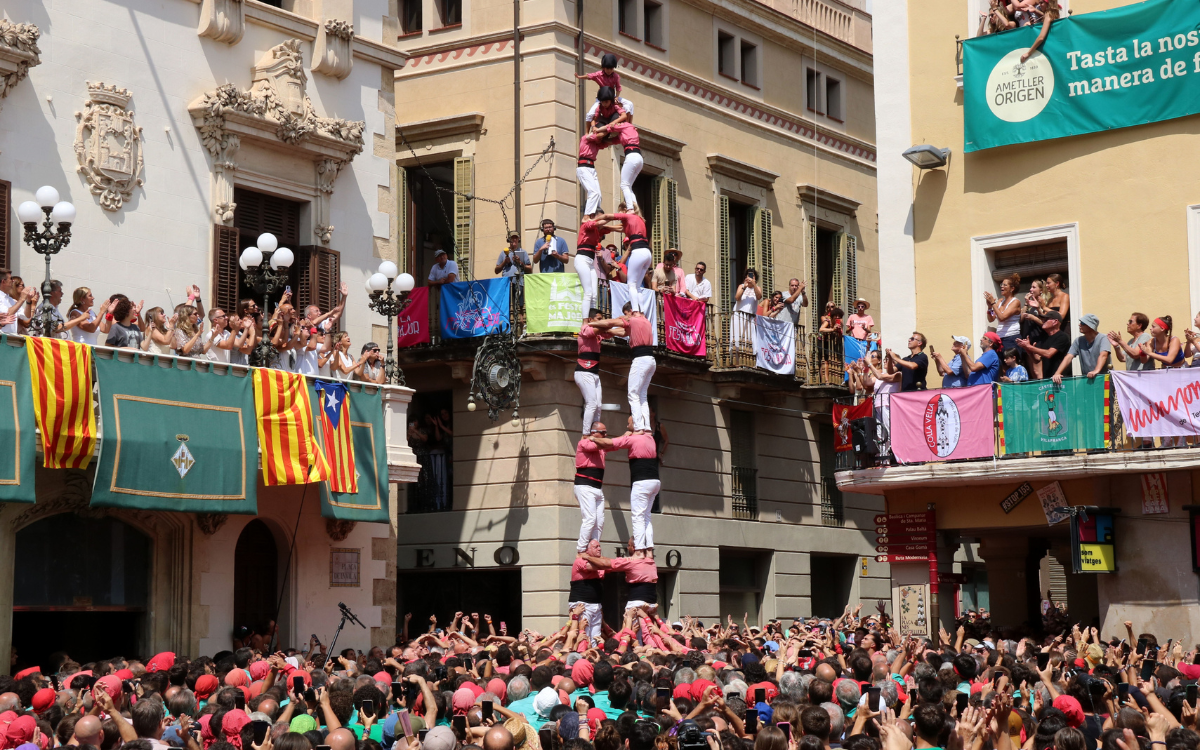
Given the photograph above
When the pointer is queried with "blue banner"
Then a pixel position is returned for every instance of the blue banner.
(475, 308)
(854, 350)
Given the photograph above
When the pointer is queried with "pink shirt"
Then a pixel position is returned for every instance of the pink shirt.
(589, 342)
(639, 446)
(626, 133)
(636, 569)
(639, 330)
(632, 224)
(858, 325)
(589, 146)
(606, 79)
(582, 570)
(588, 455)
(590, 234)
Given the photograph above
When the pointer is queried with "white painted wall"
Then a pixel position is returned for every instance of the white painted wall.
(893, 134)
(162, 237)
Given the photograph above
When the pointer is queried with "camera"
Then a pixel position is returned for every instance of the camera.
(691, 737)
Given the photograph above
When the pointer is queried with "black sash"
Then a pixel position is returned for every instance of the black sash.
(587, 590)
(643, 468)
(646, 592)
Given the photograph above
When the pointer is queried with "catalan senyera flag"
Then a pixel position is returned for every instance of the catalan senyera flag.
(60, 374)
(290, 454)
(336, 438)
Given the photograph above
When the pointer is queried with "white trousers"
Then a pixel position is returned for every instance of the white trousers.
(591, 183)
(630, 169)
(641, 500)
(641, 372)
(589, 386)
(585, 268)
(594, 615)
(639, 262)
(591, 507)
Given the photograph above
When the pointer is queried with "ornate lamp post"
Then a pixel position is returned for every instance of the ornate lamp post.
(46, 243)
(266, 280)
(389, 296)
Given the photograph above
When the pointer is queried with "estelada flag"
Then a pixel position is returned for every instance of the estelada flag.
(290, 454)
(336, 439)
(842, 416)
(60, 374)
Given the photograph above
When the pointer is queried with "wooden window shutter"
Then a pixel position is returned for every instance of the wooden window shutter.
(6, 225)
(672, 211)
(815, 307)
(851, 259)
(258, 212)
(302, 276)
(727, 283)
(402, 219)
(838, 293)
(464, 185)
(317, 273)
(658, 237)
(226, 241)
(762, 247)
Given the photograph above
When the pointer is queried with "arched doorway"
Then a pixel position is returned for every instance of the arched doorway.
(82, 585)
(255, 579)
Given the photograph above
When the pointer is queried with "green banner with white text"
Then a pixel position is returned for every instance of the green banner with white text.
(370, 460)
(175, 439)
(17, 445)
(553, 302)
(1117, 68)
(1041, 416)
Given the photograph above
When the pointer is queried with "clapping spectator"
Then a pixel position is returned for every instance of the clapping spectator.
(38, 326)
(796, 298)
(952, 372)
(1162, 346)
(124, 332)
(189, 327)
(1131, 352)
(372, 370)
(1005, 312)
(1054, 344)
(1014, 372)
(219, 341)
(82, 323)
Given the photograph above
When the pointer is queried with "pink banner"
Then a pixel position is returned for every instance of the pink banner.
(412, 325)
(684, 319)
(942, 425)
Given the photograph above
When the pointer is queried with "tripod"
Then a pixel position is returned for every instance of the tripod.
(346, 615)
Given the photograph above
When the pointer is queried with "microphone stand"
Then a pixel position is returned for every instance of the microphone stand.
(346, 615)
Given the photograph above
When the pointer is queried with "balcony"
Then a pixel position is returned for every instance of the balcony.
(745, 493)
(1122, 453)
(729, 346)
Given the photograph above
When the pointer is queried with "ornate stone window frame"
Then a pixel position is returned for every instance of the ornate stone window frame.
(275, 114)
(18, 53)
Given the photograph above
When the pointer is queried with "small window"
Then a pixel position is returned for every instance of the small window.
(749, 63)
(272, 3)
(627, 17)
(812, 87)
(726, 54)
(833, 98)
(653, 23)
(451, 12)
(410, 18)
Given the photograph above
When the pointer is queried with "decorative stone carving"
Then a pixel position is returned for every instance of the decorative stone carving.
(108, 145)
(331, 52)
(73, 497)
(275, 110)
(18, 53)
(339, 530)
(222, 20)
(210, 522)
(324, 233)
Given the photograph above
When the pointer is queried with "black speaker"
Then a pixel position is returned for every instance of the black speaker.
(863, 435)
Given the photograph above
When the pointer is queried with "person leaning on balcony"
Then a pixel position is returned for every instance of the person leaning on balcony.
(772, 306)
(668, 277)
(797, 297)
(954, 375)
(443, 270)
(1092, 349)
(859, 324)
(1130, 352)
(698, 287)
(915, 366)
(372, 364)
(987, 368)
(745, 301)
(1050, 13)
(1162, 346)
(1053, 347)
(1005, 312)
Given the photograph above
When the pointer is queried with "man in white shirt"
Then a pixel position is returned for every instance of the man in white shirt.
(514, 261)
(698, 287)
(9, 307)
(444, 270)
(797, 299)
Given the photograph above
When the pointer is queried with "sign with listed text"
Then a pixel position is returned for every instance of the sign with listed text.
(1093, 543)
(1127, 66)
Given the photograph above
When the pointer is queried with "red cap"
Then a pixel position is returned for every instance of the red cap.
(382, 677)
(161, 662)
(1071, 708)
(85, 673)
(43, 699)
(124, 674)
(206, 685)
(992, 336)
(259, 669)
(236, 677)
(771, 690)
(698, 688)
(27, 673)
(111, 684)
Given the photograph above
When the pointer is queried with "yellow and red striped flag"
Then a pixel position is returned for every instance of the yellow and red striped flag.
(285, 430)
(336, 436)
(60, 373)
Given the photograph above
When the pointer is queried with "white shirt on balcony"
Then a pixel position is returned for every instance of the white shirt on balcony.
(702, 289)
(306, 361)
(8, 304)
(215, 353)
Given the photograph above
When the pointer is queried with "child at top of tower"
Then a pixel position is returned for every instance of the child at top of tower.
(607, 75)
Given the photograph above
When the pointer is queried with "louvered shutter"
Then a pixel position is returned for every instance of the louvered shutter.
(302, 277)
(727, 283)
(765, 248)
(838, 292)
(816, 306)
(671, 188)
(6, 225)
(851, 262)
(658, 238)
(258, 212)
(327, 277)
(464, 185)
(225, 267)
(402, 219)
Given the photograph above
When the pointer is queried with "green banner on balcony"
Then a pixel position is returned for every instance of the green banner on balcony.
(174, 439)
(1042, 416)
(1117, 68)
(17, 445)
(553, 302)
(370, 461)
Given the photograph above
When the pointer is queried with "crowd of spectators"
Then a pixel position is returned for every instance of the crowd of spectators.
(808, 684)
(303, 341)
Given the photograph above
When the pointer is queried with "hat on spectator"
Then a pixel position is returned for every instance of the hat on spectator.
(973, 643)
(436, 253)
(111, 685)
(1051, 315)
(236, 677)
(992, 336)
(1091, 321)
(255, 688)
(595, 717)
(862, 301)
(514, 234)
(962, 340)
(771, 646)
(568, 726)
(497, 687)
(206, 685)
(43, 699)
(1072, 709)
(124, 674)
(27, 673)
(440, 738)
(682, 690)
(259, 669)
(462, 701)
(301, 724)
(301, 673)
(699, 686)
(161, 662)
(768, 689)
(545, 700)
(582, 672)
(1094, 653)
